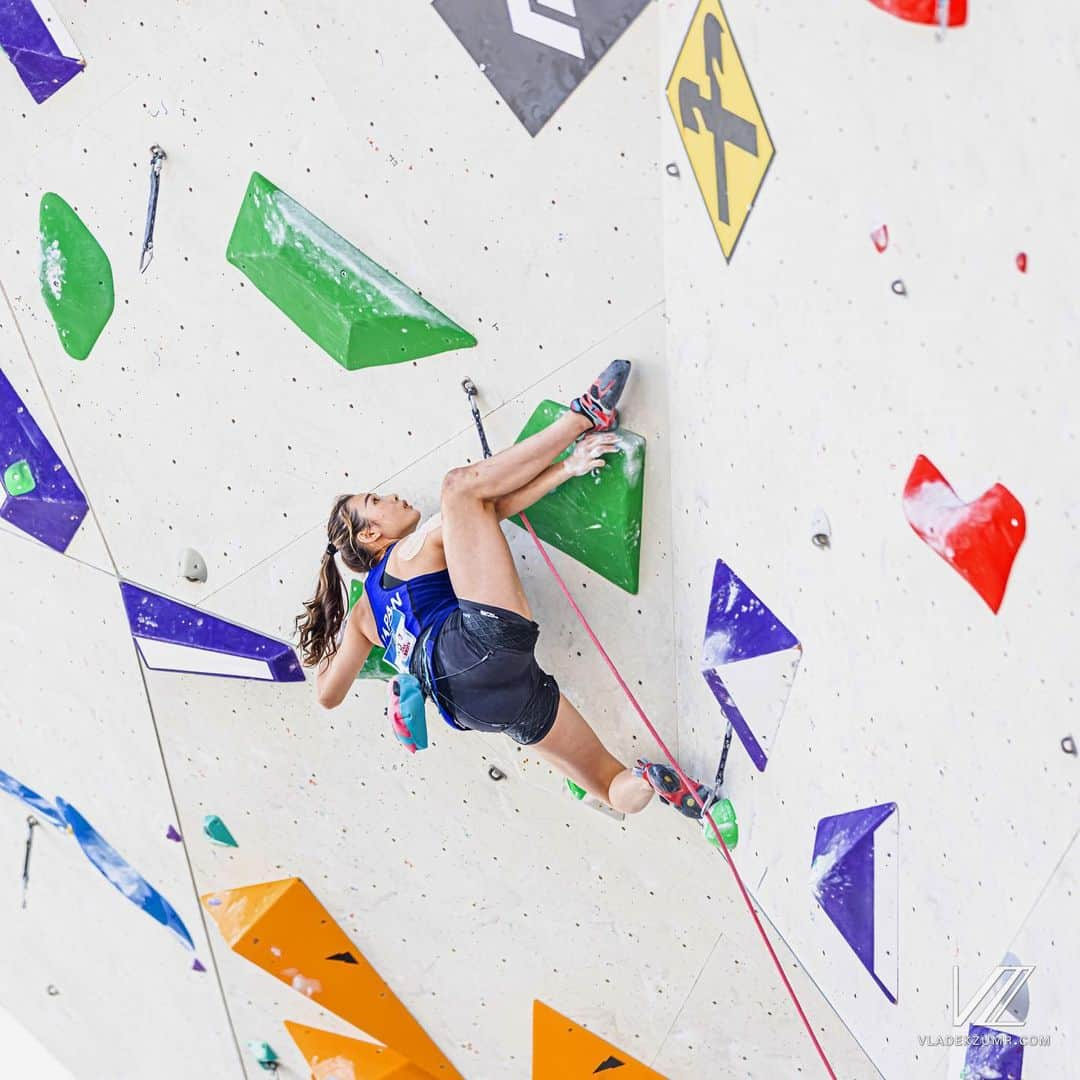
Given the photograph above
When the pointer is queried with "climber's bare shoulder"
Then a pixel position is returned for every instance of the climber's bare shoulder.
(421, 552)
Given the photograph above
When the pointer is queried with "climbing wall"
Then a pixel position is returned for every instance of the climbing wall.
(358, 207)
(885, 361)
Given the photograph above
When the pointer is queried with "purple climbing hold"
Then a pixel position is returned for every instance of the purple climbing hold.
(172, 834)
(38, 45)
(53, 509)
(197, 965)
(749, 660)
(855, 876)
(992, 1055)
(172, 636)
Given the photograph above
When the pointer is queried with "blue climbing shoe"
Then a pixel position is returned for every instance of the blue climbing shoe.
(665, 781)
(598, 403)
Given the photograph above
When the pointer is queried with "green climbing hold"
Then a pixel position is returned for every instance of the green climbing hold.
(18, 479)
(218, 831)
(375, 667)
(595, 519)
(76, 277)
(723, 814)
(264, 1054)
(575, 790)
(357, 311)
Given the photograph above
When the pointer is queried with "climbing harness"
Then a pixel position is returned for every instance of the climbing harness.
(146, 256)
(427, 683)
(470, 389)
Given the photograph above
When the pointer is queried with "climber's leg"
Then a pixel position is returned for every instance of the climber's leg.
(574, 749)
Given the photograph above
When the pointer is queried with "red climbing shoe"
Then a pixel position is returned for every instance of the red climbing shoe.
(666, 783)
(602, 397)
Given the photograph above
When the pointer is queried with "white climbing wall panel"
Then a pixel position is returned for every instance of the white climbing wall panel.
(816, 386)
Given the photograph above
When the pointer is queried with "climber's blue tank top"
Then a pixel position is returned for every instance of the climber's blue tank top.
(403, 613)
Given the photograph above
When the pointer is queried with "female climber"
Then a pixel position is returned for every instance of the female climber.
(446, 603)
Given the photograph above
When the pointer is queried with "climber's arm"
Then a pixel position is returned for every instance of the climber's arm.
(587, 456)
(336, 676)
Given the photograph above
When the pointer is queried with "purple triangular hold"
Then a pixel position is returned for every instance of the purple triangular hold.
(197, 966)
(172, 636)
(749, 658)
(172, 834)
(53, 511)
(38, 58)
(855, 882)
(992, 1055)
(740, 626)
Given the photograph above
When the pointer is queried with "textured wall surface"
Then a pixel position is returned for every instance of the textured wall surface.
(789, 379)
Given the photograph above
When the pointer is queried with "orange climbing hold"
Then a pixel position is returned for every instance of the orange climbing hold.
(564, 1051)
(282, 927)
(337, 1057)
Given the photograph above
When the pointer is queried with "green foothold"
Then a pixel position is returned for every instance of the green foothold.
(595, 519)
(18, 479)
(723, 814)
(76, 277)
(375, 667)
(264, 1055)
(217, 831)
(358, 312)
(577, 792)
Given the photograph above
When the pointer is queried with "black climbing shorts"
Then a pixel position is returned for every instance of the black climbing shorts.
(486, 674)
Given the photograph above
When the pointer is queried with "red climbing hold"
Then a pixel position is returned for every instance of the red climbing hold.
(1021, 262)
(881, 238)
(979, 539)
(924, 11)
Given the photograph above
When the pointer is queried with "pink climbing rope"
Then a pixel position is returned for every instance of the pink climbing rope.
(689, 786)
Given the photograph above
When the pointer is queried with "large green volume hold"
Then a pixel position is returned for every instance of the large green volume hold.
(375, 667)
(357, 311)
(76, 277)
(595, 519)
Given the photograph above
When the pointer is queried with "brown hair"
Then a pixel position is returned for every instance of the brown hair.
(324, 614)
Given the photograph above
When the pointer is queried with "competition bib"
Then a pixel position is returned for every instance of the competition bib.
(399, 649)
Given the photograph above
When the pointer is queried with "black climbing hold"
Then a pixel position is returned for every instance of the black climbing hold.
(899, 287)
(495, 773)
(52, 991)
(672, 169)
(344, 957)
(1068, 744)
(610, 1063)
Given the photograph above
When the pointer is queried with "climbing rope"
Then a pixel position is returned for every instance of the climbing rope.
(470, 390)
